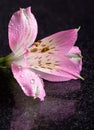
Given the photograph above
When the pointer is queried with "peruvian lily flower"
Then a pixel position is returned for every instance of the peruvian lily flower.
(54, 58)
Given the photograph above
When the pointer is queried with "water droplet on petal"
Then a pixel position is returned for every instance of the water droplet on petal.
(12, 24)
(21, 75)
(39, 75)
(16, 29)
(32, 81)
(20, 68)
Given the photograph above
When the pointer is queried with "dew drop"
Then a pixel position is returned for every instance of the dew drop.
(32, 81)
(20, 68)
(16, 29)
(39, 75)
(21, 75)
(12, 24)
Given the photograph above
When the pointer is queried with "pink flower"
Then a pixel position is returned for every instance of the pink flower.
(54, 58)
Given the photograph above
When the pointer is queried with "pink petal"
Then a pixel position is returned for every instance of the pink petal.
(66, 70)
(61, 41)
(76, 57)
(54, 76)
(50, 57)
(51, 48)
(30, 83)
(22, 30)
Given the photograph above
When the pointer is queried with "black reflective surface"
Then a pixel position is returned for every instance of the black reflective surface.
(59, 104)
(68, 105)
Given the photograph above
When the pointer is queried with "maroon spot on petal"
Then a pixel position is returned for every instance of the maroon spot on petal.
(43, 45)
(56, 64)
(36, 57)
(34, 50)
(36, 44)
(49, 68)
(39, 57)
(39, 41)
(47, 56)
(39, 62)
(48, 63)
(45, 49)
(48, 59)
(42, 66)
(50, 53)
(51, 40)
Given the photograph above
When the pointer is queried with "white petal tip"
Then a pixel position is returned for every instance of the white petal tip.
(81, 77)
(78, 28)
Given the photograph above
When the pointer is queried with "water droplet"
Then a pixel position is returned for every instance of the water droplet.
(20, 68)
(32, 81)
(12, 24)
(16, 29)
(39, 75)
(21, 75)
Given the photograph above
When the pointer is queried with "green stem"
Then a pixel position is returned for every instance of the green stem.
(4, 62)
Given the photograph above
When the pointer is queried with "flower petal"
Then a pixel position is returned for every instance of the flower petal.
(62, 41)
(65, 70)
(30, 83)
(54, 77)
(52, 47)
(22, 30)
(76, 57)
(50, 56)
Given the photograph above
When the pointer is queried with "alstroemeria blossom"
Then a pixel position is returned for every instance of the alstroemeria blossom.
(54, 58)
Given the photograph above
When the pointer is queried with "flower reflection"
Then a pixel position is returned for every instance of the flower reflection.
(59, 104)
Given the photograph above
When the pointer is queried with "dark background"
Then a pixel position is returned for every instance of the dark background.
(52, 16)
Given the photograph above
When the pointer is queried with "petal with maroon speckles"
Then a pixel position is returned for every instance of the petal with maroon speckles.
(52, 58)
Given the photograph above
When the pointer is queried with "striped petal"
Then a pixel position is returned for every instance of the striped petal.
(49, 57)
(30, 83)
(65, 70)
(22, 30)
(75, 56)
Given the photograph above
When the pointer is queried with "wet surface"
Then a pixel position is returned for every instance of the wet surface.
(68, 105)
